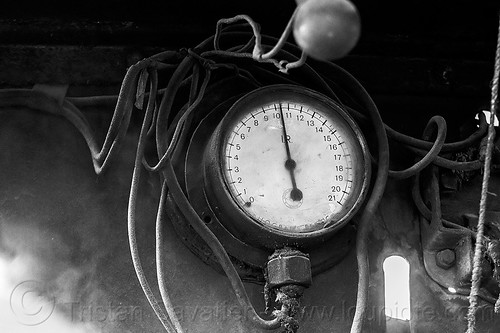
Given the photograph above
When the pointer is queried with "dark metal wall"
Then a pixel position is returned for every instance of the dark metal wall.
(416, 58)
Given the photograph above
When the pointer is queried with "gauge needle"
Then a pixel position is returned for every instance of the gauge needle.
(290, 164)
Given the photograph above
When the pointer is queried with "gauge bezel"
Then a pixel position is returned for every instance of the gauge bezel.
(218, 194)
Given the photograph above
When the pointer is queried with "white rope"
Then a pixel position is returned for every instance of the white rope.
(478, 253)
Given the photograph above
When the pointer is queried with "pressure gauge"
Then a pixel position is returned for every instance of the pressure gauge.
(286, 161)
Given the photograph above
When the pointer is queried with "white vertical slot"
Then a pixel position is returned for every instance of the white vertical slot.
(397, 287)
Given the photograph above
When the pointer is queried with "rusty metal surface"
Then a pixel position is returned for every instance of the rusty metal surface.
(104, 66)
(24, 65)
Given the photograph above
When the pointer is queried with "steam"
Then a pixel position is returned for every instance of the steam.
(65, 265)
(36, 285)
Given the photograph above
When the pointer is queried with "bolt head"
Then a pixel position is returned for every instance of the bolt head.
(446, 258)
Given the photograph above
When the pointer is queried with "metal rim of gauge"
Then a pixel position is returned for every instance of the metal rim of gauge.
(286, 165)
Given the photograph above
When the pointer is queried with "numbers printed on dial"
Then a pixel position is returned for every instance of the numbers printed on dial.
(255, 172)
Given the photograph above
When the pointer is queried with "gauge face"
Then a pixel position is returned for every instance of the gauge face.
(292, 160)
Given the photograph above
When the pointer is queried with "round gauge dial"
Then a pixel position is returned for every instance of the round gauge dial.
(292, 160)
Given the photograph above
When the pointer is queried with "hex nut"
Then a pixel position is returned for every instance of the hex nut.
(446, 258)
(294, 269)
